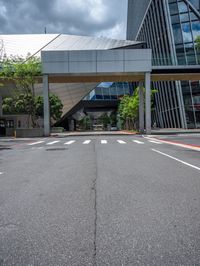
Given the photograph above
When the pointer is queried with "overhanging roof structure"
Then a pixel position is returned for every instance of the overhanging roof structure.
(70, 92)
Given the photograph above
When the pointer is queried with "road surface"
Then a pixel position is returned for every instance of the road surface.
(101, 200)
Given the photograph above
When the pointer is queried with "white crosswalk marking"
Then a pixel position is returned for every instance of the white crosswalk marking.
(153, 141)
(86, 142)
(104, 141)
(69, 142)
(121, 142)
(53, 142)
(138, 142)
(35, 143)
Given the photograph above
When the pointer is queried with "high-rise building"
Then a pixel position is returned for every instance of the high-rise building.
(170, 28)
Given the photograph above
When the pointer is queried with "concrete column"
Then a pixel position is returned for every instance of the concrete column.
(141, 107)
(148, 102)
(1, 103)
(46, 105)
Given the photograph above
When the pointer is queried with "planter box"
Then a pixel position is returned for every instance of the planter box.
(29, 132)
(57, 129)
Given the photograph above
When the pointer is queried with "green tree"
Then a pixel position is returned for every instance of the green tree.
(198, 43)
(113, 119)
(8, 106)
(23, 102)
(129, 109)
(105, 120)
(23, 75)
(56, 107)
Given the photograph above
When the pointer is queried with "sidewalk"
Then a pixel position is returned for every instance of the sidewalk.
(174, 131)
(92, 133)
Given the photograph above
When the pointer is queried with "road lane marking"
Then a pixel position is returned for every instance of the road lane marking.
(86, 142)
(176, 159)
(154, 141)
(138, 142)
(104, 141)
(53, 142)
(121, 142)
(69, 142)
(182, 145)
(1, 173)
(35, 143)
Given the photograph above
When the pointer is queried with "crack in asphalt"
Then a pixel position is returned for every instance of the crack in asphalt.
(94, 189)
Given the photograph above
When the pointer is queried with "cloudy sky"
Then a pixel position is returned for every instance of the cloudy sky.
(80, 17)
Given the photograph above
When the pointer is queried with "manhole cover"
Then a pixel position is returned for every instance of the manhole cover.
(4, 148)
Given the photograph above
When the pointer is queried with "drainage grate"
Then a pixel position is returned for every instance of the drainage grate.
(4, 148)
(56, 149)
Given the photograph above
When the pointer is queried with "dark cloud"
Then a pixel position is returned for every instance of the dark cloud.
(84, 17)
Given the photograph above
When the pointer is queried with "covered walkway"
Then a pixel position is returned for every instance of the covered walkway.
(119, 65)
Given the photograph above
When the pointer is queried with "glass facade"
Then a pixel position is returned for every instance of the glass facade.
(109, 91)
(170, 29)
(186, 27)
(154, 32)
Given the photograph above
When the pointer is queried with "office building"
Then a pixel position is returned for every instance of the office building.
(170, 28)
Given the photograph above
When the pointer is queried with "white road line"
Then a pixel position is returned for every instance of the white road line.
(187, 146)
(178, 160)
(1, 173)
(154, 141)
(35, 143)
(69, 142)
(138, 142)
(53, 142)
(86, 142)
(104, 141)
(121, 142)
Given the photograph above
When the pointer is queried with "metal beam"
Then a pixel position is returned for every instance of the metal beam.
(46, 106)
(141, 107)
(148, 102)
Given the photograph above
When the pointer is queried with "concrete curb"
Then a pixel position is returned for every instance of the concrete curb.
(87, 134)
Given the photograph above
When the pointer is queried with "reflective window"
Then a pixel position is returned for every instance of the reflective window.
(182, 7)
(187, 34)
(189, 48)
(196, 3)
(177, 33)
(173, 9)
(184, 17)
(175, 19)
(196, 29)
(180, 52)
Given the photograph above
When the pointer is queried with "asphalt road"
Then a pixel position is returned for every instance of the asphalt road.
(191, 139)
(107, 200)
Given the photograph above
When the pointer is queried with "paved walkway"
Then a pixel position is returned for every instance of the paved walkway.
(93, 133)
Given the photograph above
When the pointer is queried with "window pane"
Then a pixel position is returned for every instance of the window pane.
(196, 29)
(177, 33)
(189, 48)
(184, 17)
(195, 3)
(187, 34)
(173, 9)
(182, 7)
(175, 19)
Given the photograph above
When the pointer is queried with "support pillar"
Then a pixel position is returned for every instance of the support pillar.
(141, 107)
(148, 102)
(46, 106)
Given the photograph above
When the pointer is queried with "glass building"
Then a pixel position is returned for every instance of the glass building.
(109, 91)
(170, 28)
